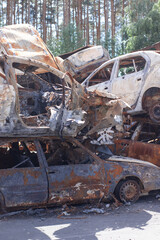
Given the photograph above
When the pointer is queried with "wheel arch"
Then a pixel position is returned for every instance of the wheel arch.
(148, 95)
(131, 178)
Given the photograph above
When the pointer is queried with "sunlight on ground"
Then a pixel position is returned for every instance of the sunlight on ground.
(50, 230)
(147, 232)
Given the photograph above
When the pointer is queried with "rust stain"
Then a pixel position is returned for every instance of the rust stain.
(138, 150)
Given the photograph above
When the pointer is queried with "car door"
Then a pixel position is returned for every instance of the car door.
(101, 79)
(76, 182)
(128, 79)
(24, 185)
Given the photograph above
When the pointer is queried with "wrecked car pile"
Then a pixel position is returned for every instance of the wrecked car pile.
(54, 131)
(134, 78)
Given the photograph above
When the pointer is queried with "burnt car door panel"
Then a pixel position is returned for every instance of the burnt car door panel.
(101, 80)
(79, 182)
(128, 80)
(22, 184)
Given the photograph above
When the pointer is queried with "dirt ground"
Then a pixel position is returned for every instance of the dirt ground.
(139, 221)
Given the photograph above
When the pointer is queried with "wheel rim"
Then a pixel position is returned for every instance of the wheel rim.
(154, 112)
(129, 191)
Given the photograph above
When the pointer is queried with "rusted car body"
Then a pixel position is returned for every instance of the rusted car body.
(38, 181)
(33, 105)
(82, 62)
(139, 150)
(133, 77)
(38, 99)
(23, 40)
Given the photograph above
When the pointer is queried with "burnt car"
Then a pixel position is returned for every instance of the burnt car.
(132, 77)
(81, 62)
(23, 40)
(39, 100)
(32, 175)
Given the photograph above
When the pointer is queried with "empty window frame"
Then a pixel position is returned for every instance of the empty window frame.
(102, 76)
(18, 155)
(131, 65)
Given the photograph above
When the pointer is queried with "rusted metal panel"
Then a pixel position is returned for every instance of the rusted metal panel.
(23, 40)
(155, 46)
(82, 63)
(138, 150)
(75, 183)
(66, 55)
(23, 187)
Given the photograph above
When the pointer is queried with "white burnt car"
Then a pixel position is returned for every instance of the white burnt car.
(135, 78)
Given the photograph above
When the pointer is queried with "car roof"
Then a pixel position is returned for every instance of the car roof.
(128, 55)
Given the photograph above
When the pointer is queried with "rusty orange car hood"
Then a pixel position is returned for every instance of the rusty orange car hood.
(24, 41)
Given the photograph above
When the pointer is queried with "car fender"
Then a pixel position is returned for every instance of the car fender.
(152, 81)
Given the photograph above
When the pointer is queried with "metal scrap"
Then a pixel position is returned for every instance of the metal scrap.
(70, 162)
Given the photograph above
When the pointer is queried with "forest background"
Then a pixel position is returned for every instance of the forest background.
(121, 26)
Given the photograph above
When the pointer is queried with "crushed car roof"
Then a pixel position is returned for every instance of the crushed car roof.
(24, 41)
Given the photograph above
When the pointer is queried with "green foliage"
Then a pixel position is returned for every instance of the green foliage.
(69, 40)
(144, 27)
(54, 46)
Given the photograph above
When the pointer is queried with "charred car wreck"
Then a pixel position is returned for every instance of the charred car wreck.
(53, 135)
(53, 140)
(53, 108)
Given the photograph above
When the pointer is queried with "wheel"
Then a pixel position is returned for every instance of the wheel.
(128, 191)
(2, 204)
(154, 112)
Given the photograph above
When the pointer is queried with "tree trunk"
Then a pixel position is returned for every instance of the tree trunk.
(66, 12)
(44, 21)
(94, 17)
(36, 10)
(123, 8)
(57, 20)
(87, 30)
(28, 12)
(113, 26)
(80, 14)
(99, 23)
(8, 17)
(22, 11)
(14, 11)
(106, 15)
(84, 22)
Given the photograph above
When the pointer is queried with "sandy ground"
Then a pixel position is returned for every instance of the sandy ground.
(139, 221)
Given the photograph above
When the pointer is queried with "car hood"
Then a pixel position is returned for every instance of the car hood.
(115, 158)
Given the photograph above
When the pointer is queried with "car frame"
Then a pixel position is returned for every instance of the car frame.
(44, 184)
(140, 87)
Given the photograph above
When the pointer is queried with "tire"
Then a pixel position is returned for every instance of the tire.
(2, 205)
(154, 112)
(127, 191)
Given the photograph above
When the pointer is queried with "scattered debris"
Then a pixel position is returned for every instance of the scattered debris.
(107, 205)
(94, 210)
(158, 196)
